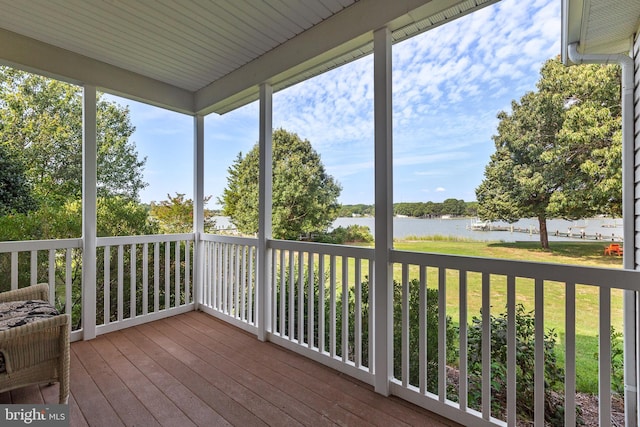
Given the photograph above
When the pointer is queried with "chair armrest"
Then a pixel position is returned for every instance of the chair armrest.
(35, 292)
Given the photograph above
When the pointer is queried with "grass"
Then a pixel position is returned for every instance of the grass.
(587, 297)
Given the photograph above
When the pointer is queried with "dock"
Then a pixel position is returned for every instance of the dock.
(578, 233)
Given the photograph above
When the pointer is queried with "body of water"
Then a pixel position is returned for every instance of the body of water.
(608, 228)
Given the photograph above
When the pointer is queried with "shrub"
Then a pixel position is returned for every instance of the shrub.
(414, 332)
(525, 356)
(352, 234)
(617, 362)
(414, 335)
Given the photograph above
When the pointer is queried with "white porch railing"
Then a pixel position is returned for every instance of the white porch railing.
(319, 306)
(229, 281)
(143, 278)
(331, 321)
(514, 282)
(44, 261)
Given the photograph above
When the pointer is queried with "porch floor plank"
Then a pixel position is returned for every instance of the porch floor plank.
(193, 369)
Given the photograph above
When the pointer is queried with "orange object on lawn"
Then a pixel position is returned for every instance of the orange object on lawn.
(613, 249)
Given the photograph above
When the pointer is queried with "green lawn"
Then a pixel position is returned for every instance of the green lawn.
(579, 253)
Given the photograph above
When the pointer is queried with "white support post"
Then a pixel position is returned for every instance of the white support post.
(383, 277)
(89, 209)
(198, 208)
(631, 323)
(631, 311)
(264, 214)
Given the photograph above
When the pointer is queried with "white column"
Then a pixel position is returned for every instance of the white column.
(198, 206)
(264, 215)
(631, 323)
(383, 275)
(89, 216)
(631, 311)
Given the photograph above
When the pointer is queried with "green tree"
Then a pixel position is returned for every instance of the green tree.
(41, 127)
(454, 207)
(41, 121)
(304, 195)
(175, 215)
(116, 216)
(15, 191)
(558, 153)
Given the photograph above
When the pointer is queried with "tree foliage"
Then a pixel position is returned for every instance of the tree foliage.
(41, 136)
(453, 207)
(558, 152)
(116, 216)
(175, 215)
(41, 119)
(15, 191)
(304, 195)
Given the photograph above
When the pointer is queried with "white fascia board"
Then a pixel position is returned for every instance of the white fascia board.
(343, 32)
(38, 57)
(573, 25)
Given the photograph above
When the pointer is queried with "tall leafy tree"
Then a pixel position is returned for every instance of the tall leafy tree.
(41, 127)
(558, 152)
(41, 120)
(15, 191)
(305, 197)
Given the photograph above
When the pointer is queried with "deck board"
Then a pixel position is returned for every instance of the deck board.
(193, 369)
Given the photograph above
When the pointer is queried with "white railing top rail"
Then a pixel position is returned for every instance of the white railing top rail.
(37, 245)
(150, 238)
(291, 245)
(582, 275)
(324, 248)
(231, 240)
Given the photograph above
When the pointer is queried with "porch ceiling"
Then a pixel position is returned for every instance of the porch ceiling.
(201, 56)
(600, 26)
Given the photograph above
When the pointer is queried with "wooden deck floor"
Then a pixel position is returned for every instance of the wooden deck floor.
(193, 369)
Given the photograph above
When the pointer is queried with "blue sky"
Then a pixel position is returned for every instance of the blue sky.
(448, 86)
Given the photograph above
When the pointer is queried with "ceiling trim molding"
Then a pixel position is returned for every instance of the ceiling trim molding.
(35, 56)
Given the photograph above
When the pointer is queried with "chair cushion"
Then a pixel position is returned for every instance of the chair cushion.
(18, 313)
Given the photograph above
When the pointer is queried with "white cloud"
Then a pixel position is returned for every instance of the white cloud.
(440, 190)
(448, 86)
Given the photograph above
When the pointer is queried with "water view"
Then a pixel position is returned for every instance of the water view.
(606, 228)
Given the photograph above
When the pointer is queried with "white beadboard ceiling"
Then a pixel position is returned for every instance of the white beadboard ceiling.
(201, 56)
(600, 26)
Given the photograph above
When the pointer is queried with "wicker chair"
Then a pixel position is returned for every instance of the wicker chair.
(37, 352)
